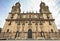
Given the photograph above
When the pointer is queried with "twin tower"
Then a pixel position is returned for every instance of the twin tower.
(29, 25)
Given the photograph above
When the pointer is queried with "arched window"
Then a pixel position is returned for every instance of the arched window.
(29, 33)
(51, 30)
(42, 33)
(7, 30)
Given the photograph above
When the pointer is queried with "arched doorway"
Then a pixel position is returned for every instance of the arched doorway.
(29, 33)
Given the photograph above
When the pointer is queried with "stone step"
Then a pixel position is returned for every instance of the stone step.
(29, 40)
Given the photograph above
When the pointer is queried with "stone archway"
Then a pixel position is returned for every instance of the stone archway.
(29, 33)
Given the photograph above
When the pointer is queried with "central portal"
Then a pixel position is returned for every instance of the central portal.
(29, 33)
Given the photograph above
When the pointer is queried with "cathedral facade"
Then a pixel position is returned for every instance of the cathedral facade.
(29, 25)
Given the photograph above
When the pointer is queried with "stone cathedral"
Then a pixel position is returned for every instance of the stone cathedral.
(30, 25)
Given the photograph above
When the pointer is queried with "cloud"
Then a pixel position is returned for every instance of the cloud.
(33, 5)
(5, 8)
(54, 7)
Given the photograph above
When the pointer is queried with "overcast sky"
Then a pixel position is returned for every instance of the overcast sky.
(29, 5)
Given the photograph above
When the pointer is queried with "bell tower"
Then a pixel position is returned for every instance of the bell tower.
(13, 19)
(16, 8)
(49, 24)
(44, 8)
